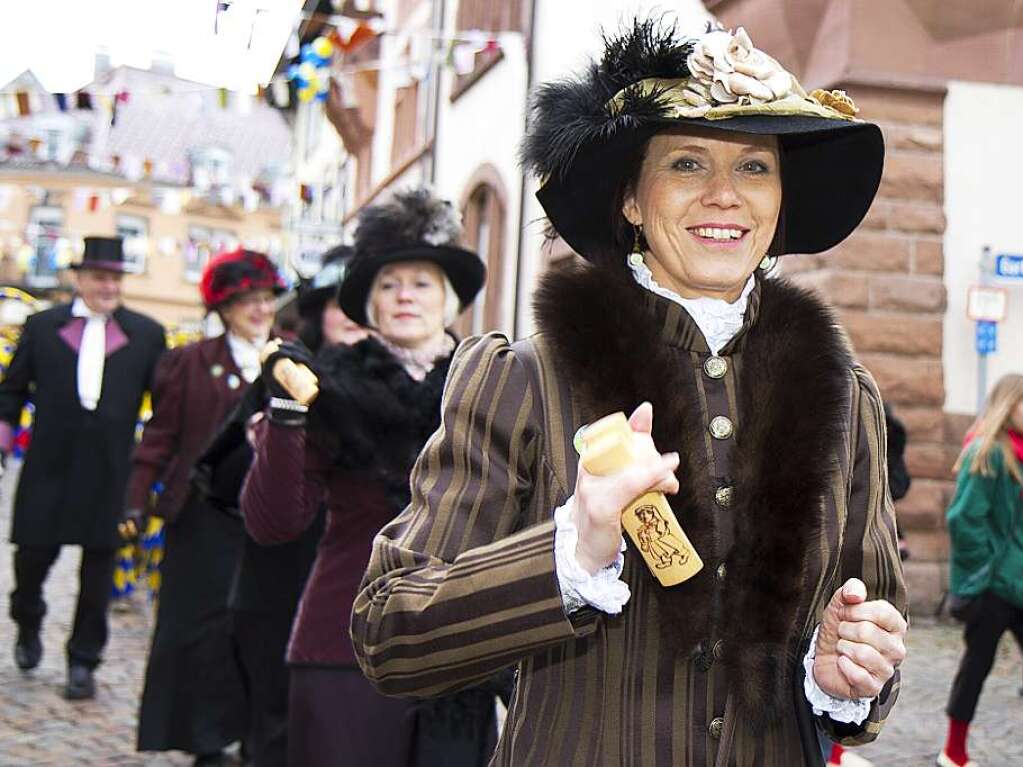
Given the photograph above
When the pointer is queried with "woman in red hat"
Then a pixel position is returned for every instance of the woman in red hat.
(194, 699)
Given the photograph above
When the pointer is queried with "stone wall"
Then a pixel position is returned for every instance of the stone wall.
(886, 281)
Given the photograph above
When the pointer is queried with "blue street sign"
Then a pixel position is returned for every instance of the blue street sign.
(987, 337)
(1009, 266)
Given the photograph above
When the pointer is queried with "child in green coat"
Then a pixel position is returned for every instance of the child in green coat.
(985, 522)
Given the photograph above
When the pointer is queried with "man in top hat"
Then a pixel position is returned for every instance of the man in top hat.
(85, 366)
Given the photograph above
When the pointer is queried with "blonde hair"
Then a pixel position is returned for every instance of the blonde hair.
(991, 427)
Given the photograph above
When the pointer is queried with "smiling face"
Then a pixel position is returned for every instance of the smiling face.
(708, 202)
(250, 315)
(408, 303)
(100, 289)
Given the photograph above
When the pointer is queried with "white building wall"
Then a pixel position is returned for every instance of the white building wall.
(984, 206)
(483, 127)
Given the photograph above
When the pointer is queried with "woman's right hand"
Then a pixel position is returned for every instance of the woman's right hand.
(274, 352)
(599, 501)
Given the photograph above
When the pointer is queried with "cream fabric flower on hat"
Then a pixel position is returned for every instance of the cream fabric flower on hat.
(725, 68)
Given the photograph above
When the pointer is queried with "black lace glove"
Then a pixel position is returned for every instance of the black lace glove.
(283, 408)
(291, 350)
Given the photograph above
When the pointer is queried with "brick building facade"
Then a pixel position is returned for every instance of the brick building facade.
(888, 280)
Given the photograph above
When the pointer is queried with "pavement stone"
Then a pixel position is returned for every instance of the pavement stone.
(915, 732)
(38, 727)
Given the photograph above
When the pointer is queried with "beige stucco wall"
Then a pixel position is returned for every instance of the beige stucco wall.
(162, 289)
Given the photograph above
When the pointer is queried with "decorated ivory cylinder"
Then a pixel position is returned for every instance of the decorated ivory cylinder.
(606, 447)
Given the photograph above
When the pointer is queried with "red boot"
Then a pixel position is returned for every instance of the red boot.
(842, 758)
(954, 754)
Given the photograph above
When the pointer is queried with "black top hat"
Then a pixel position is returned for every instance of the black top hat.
(587, 134)
(105, 253)
(414, 225)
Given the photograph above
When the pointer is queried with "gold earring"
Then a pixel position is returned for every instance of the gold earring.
(636, 257)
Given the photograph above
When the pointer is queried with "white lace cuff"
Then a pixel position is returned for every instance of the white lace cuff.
(604, 590)
(838, 709)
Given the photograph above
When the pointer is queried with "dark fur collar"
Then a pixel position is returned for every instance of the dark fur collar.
(610, 335)
(371, 415)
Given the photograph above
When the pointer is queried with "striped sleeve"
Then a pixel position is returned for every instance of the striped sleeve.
(458, 585)
(870, 548)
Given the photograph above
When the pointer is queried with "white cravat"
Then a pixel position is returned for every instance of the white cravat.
(245, 354)
(92, 354)
(718, 320)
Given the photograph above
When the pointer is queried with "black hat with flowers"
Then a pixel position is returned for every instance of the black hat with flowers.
(414, 225)
(587, 134)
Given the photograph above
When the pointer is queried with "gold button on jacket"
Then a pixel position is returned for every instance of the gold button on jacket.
(721, 427)
(715, 367)
(723, 496)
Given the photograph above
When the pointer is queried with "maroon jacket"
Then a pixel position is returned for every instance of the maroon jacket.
(288, 482)
(196, 387)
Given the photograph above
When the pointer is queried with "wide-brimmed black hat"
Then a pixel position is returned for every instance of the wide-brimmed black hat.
(587, 134)
(104, 253)
(414, 225)
(314, 292)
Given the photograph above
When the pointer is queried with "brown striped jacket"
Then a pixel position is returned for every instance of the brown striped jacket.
(463, 582)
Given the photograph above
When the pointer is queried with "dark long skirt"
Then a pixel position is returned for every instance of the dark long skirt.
(194, 699)
(337, 719)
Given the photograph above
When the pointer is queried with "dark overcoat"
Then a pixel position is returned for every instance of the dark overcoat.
(193, 699)
(196, 387)
(72, 485)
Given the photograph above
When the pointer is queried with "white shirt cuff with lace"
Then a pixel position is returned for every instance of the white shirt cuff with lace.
(604, 590)
(838, 709)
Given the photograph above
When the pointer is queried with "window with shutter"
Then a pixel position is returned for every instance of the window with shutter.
(406, 138)
(494, 17)
(483, 223)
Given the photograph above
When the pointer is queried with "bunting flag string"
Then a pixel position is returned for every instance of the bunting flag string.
(455, 47)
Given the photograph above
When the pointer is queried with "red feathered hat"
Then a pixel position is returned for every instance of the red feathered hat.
(237, 271)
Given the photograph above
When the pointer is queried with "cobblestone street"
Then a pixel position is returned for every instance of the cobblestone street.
(38, 727)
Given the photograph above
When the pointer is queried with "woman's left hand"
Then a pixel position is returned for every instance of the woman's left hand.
(859, 645)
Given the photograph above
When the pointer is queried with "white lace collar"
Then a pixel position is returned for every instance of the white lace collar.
(245, 354)
(717, 319)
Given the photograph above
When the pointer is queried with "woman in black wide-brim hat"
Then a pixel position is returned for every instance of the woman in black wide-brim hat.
(674, 166)
(379, 401)
(323, 320)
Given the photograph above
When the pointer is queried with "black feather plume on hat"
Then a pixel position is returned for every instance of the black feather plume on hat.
(568, 114)
(410, 219)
